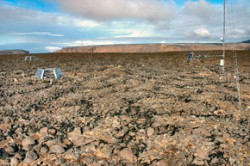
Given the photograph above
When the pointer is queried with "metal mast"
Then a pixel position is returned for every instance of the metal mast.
(222, 61)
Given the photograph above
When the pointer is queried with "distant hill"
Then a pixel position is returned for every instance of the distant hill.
(134, 48)
(13, 52)
(246, 41)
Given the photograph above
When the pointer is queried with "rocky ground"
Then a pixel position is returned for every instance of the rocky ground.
(124, 109)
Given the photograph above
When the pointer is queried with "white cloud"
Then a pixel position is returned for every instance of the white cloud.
(76, 22)
(14, 15)
(201, 33)
(201, 9)
(38, 33)
(85, 23)
(91, 43)
(52, 48)
(125, 29)
(132, 32)
(107, 10)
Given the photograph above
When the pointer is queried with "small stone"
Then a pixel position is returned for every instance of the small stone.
(208, 143)
(18, 156)
(15, 80)
(198, 162)
(58, 149)
(3, 154)
(103, 163)
(10, 149)
(6, 120)
(19, 130)
(27, 143)
(52, 131)
(88, 148)
(232, 161)
(150, 131)
(123, 145)
(44, 150)
(72, 155)
(44, 135)
(67, 142)
(154, 155)
(8, 133)
(128, 156)
(89, 160)
(104, 152)
(219, 112)
(30, 157)
(125, 119)
(132, 134)
(141, 134)
(189, 158)
(162, 163)
(53, 142)
(44, 131)
(201, 131)
(60, 161)
(76, 137)
(106, 137)
(214, 160)
(201, 155)
(121, 133)
(14, 161)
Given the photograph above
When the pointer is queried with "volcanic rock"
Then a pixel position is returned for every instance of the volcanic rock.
(75, 134)
(27, 143)
(121, 133)
(128, 156)
(60, 161)
(202, 131)
(104, 152)
(103, 163)
(58, 149)
(52, 131)
(162, 163)
(43, 134)
(202, 155)
(30, 157)
(3, 154)
(44, 149)
(124, 109)
(198, 162)
(150, 131)
(11, 149)
(14, 161)
(71, 154)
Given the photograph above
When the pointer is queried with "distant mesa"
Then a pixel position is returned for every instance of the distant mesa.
(13, 52)
(142, 48)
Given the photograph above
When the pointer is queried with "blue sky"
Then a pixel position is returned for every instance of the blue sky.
(48, 25)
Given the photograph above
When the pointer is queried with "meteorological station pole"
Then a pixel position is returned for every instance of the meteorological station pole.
(222, 61)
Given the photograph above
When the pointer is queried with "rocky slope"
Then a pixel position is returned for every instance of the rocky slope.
(152, 48)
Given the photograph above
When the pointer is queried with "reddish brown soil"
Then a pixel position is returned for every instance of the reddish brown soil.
(121, 109)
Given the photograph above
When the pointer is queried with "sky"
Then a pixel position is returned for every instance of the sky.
(49, 25)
